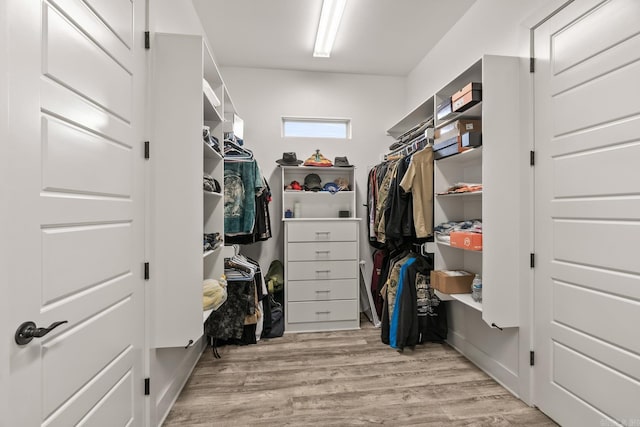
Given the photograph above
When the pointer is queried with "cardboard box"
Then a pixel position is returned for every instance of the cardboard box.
(466, 97)
(445, 148)
(457, 128)
(466, 240)
(471, 139)
(444, 109)
(449, 284)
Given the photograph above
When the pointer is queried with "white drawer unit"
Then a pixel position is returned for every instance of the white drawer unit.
(322, 290)
(321, 253)
(322, 311)
(322, 270)
(322, 231)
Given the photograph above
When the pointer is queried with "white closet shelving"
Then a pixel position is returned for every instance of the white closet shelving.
(321, 253)
(494, 164)
(181, 210)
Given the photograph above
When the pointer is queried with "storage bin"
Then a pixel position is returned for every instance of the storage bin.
(466, 240)
(466, 97)
(471, 139)
(451, 284)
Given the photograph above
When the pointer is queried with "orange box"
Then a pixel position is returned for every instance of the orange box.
(466, 240)
(445, 283)
(466, 97)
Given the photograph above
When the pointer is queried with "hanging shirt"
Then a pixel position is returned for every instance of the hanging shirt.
(419, 181)
(241, 181)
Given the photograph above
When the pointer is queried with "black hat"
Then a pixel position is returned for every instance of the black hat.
(342, 162)
(289, 159)
(312, 182)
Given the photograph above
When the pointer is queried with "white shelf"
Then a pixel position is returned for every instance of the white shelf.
(467, 300)
(319, 219)
(474, 112)
(317, 193)
(474, 154)
(455, 247)
(467, 195)
(419, 114)
(212, 194)
(210, 153)
(208, 253)
(318, 168)
(211, 113)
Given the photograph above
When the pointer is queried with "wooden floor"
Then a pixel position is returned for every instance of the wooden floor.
(344, 378)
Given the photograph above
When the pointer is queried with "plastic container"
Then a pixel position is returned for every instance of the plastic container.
(297, 210)
(476, 288)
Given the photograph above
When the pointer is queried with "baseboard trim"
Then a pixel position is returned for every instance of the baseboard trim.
(170, 394)
(490, 366)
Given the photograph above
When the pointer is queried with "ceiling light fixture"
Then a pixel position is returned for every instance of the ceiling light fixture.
(328, 27)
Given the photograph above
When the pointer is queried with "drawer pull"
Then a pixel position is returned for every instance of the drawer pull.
(322, 252)
(323, 312)
(323, 232)
(322, 292)
(323, 271)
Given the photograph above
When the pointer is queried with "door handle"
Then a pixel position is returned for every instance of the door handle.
(28, 331)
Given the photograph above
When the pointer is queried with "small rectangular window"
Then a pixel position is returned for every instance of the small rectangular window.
(316, 128)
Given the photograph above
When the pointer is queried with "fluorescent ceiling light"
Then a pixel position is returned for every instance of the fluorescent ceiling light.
(328, 27)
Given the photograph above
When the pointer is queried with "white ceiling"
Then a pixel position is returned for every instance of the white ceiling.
(387, 37)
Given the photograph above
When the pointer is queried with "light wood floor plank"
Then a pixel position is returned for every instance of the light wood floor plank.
(344, 378)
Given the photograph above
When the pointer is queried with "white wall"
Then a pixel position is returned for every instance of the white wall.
(264, 96)
(173, 16)
(495, 27)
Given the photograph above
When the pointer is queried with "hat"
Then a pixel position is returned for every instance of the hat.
(289, 159)
(342, 183)
(318, 159)
(331, 187)
(342, 162)
(294, 186)
(312, 182)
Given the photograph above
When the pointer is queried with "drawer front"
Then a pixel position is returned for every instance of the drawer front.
(322, 251)
(322, 231)
(322, 311)
(322, 270)
(322, 290)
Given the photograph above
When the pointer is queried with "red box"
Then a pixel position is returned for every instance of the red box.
(466, 240)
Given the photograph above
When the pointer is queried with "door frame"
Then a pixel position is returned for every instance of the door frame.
(5, 328)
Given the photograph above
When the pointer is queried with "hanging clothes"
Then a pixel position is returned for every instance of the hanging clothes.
(376, 282)
(398, 213)
(239, 320)
(241, 182)
(394, 217)
(418, 180)
(412, 313)
(262, 219)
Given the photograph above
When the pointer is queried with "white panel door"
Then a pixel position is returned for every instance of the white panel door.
(587, 214)
(75, 211)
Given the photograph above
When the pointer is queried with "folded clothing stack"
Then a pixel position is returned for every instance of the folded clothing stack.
(212, 241)
(211, 185)
(443, 231)
(462, 187)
